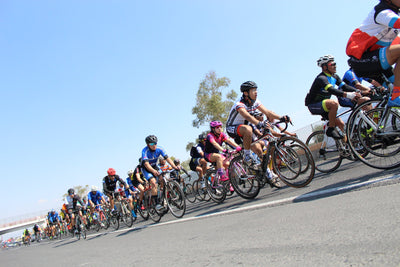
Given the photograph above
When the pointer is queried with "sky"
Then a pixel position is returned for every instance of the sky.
(84, 82)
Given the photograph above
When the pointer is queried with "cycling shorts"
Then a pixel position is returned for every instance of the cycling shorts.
(371, 65)
(194, 162)
(233, 132)
(319, 108)
(208, 155)
(345, 102)
(148, 175)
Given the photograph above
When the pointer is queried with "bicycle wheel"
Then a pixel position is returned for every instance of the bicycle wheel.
(126, 216)
(190, 194)
(324, 152)
(245, 183)
(214, 189)
(175, 199)
(144, 213)
(150, 205)
(201, 191)
(380, 147)
(114, 221)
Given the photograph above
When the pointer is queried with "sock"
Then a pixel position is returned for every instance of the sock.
(396, 92)
(221, 172)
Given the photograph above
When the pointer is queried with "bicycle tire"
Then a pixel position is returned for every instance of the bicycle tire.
(114, 222)
(291, 172)
(190, 194)
(150, 205)
(216, 192)
(383, 151)
(143, 213)
(201, 192)
(324, 152)
(175, 198)
(246, 184)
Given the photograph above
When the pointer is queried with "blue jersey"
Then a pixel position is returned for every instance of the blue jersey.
(152, 156)
(95, 197)
(53, 217)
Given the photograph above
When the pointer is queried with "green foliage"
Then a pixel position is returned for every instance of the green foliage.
(210, 104)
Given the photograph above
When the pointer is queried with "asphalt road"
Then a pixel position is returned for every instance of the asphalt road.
(348, 218)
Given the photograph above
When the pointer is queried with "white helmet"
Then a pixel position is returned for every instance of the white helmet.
(324, 59)
(130, 172)
(93, 188)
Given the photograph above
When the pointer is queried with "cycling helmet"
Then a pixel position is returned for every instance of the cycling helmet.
(130, 172)
(177, 161)
(111, 171)
(246, 86)
(202, 136)
(214, 124)
(324, 59)
(93, 188)
(257, 113)
(151, 139)
(71, 191)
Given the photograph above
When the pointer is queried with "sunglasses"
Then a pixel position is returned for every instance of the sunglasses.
(332, 64)
(152, 144)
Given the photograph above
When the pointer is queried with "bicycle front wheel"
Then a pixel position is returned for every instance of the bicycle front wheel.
(175, 199)
(190, 194)
(245, 184)
(215, 190)
(377, 147)
(324, 152)
(292, 161)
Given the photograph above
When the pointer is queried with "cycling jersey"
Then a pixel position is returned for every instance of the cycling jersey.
(109, 185)
(152, 156)
(209, 147)
(323, 87)
(235, 118)
(164, 168)
(73, 202)
(378, 30)
(53, 218)
(197, 150)
(95, 197)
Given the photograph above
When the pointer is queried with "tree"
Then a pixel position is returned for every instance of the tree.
(79, 190)
(210, 104)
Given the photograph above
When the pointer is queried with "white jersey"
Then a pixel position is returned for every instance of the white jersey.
(234, 116)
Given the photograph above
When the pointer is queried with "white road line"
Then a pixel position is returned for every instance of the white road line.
(274, 203)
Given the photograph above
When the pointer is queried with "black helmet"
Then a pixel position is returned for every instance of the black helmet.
(71, 191)
(151, 139)
(202, 136)
(246, 86)
(177, 161)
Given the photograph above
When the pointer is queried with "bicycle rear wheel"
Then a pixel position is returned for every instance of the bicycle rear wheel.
(376, 147)
(201, 191)
(324, 152)
(150, 205)
(215, 191)
(114, 221)
(175, 199)
(245, 183)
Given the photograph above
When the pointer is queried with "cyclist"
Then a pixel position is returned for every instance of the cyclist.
(95, 198)
(239, 117)
(197, 162)
(52, 220)
(352, 79)
(110, 184)
(136, 180)
(375, 46)
(26, 236)
(36, 231)
(318, 98)
(176, 173)
(150, 155)
(215, 138)
(74, 203)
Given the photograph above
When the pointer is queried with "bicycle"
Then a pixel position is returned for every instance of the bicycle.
(200, 190)
(377, 131)
(187, 188)
(217, 189)
(80, 228)
(123, 211)
(172, 196)
(291, 161)
(149, 204)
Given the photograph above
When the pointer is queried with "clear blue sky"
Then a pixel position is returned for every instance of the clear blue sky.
(84, 82)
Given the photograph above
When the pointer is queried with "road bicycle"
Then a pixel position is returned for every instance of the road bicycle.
(200, 189)
(377, 131)
(123, 212)
(172, 197)
(291, 161)
(187, 188)
(80, 228)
